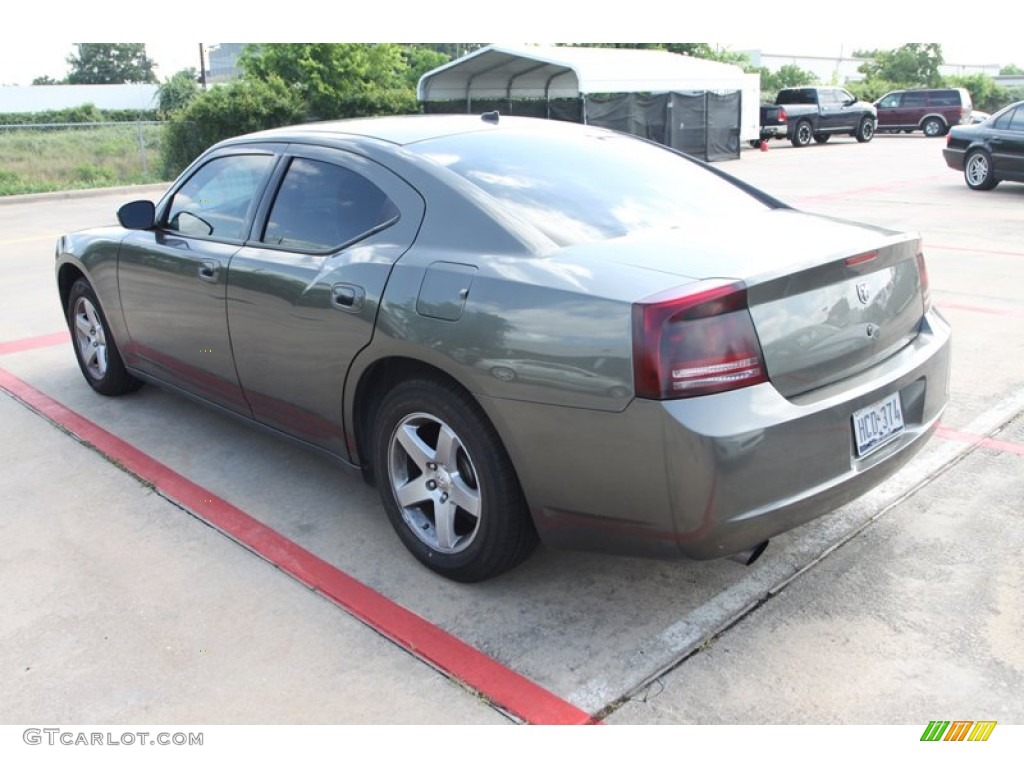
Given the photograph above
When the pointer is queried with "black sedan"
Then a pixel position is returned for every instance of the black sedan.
(991, 151)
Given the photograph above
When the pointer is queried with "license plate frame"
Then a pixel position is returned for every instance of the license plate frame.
(877, 424)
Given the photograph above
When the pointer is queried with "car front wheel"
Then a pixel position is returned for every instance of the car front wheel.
(866, 130)
(447, 484)
(978, 171)
(95, 349)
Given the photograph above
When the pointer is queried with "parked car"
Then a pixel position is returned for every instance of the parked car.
(989, 152)
(816, 113)
(977, 116)
(523, 329)
(930, 110)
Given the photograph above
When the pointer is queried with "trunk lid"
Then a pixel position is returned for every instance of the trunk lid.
(828, 298)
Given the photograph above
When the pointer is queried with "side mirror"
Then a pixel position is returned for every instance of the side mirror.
(138, 214)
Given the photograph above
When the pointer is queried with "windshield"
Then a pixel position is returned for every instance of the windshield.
(581, 186)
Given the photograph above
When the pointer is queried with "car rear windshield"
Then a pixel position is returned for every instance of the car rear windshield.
(582, 186)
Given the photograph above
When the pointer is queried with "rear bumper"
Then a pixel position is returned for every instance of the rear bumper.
(954, 158)
(708, 477)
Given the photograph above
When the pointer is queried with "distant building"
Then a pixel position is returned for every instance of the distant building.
(840, 69)
(222, 62)
(43, 98)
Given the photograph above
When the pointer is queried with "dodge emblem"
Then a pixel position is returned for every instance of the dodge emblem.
(863, 293)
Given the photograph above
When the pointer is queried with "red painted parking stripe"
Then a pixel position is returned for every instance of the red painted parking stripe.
(504, 687)
(23, 345)
(868, 191)
(980, 440)
(969, 249)
(982, 310)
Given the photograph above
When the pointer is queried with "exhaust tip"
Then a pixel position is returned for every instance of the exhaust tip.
(749, 556)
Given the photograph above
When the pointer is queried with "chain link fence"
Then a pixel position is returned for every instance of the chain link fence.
(59, 156)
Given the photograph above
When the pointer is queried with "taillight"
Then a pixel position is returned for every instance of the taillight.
(695, 341)
(783, 115)
(922, 271)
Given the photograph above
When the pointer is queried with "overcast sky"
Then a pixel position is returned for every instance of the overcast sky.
(30, 48)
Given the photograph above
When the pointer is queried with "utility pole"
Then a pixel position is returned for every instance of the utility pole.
(202, 67)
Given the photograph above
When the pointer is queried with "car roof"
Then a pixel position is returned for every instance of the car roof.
(403, 129)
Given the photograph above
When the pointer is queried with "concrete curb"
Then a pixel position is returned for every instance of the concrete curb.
(77, 193)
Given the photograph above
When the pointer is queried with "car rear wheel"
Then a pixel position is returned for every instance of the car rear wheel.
(933, 127)
(447, 484)
(866, 130)
(802, 134)
(95, 349)
(978, 170)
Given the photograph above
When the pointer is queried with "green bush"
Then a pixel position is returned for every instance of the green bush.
(85, 113)
(243, 106)
(90, 175)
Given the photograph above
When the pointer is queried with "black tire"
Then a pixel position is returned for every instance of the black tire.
(933, 127)
(821, 138)
(865, 131)
(978, 170)
(433, 441)
(802, 134)
(95, 348)
(755, 143)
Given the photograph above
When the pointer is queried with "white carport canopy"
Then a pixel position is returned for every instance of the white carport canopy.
(551, 72)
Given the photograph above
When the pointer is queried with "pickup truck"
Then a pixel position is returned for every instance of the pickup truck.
(803, 114)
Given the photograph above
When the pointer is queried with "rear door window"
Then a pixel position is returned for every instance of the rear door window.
(321, 206)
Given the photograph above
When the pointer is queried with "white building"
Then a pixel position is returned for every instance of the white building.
(42, 98)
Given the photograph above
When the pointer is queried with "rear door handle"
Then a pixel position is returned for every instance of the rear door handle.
(347, 297)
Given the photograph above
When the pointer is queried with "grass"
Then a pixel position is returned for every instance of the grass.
(43, 159)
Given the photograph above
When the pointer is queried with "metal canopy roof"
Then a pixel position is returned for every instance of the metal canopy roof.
(550, 72)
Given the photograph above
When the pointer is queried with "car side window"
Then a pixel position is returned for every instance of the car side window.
(1002, 123)
(322, 206)
(215, 201)
(891, 101)
(914, 99)
(1017, 120)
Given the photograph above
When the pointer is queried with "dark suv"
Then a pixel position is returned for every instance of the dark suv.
(932, 110)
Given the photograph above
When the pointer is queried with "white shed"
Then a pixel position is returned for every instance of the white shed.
(511, 73)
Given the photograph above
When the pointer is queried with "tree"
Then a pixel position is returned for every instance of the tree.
(46, 80)
(110, 63)
(420, 59)
(178, 91)
(787, 76)
(336, 80)
(242, 106)
(697, 50)
(909, 65)
(1011, 69)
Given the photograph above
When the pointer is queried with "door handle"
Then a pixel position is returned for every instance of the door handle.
(347, 297)
(208, 270)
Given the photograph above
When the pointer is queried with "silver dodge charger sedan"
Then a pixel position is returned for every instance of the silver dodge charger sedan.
(523, 330)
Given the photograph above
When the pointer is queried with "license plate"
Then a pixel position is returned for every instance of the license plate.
(877, 424)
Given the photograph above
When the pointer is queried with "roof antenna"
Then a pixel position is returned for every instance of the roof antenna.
(491, 117)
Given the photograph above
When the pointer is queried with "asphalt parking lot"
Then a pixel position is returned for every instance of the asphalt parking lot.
(166, 564)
